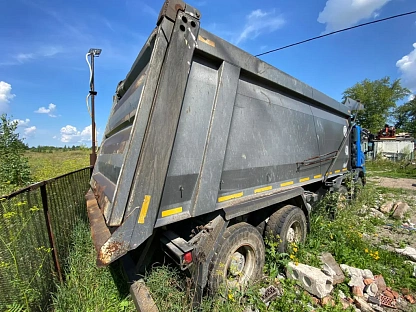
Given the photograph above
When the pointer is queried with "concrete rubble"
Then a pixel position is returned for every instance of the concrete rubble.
(351, 271)
(399, 210)
(370, 292)
(311, 279)
(332, 268)
(375, 213)
(408, 251)
(387, 207)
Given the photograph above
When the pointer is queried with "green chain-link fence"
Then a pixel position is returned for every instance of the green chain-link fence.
(35, 230)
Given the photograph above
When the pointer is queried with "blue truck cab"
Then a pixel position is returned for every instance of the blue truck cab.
(358, 150)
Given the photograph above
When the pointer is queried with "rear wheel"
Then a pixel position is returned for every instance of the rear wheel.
(289, 224)
(239, 259)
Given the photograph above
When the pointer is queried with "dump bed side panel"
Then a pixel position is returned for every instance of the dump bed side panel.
(244, 129)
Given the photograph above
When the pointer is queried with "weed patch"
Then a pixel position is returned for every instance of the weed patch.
(88, 288)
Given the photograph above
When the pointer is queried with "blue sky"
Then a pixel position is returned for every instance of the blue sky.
(44, 76)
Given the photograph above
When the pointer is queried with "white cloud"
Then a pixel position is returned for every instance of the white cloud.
(259, 22)
(407, 68)
(29, 131)
(71, 134)
(339, 14)
(23, 57)
(43, 110)
(411, 97)
(5, 95)
(42, 52)
(22, 123)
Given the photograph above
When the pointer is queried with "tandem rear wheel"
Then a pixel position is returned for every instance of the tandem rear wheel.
(288, 224)
(239, 259)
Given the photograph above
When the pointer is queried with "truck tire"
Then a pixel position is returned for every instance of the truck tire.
(239, 258)
(289, 224)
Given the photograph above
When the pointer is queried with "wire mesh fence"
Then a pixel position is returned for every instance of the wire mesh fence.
(35, 230)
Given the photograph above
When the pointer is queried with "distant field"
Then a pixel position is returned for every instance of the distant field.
(49, 165)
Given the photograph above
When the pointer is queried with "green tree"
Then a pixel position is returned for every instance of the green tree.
(405, 116)
(14, 167)
(379, 98)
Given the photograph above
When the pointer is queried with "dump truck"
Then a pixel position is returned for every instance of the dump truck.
(208, 149)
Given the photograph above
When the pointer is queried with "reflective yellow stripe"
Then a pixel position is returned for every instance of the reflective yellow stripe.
(317, 176)
(228, 197)
(286, 183)
(170, 212)
(330, 172)
(337, 171)
(344, 169)
(263, 189)
(145, 206)
(303, 179)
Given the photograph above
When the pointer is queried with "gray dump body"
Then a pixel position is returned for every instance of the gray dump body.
(200, 125)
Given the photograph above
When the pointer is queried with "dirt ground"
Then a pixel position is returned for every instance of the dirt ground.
(409, 184)
(395, 233)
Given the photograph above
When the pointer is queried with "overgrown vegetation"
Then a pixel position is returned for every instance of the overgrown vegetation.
(45, 166)
(20, 166)
(14, 167)
(387, 168)
(86, 287)
(347, 238)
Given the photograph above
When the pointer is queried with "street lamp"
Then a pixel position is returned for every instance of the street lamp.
(92, 93)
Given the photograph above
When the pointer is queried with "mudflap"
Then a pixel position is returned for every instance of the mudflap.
(205, 243)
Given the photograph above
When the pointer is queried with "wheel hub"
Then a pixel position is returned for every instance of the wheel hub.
(237, 264)
(294, 233)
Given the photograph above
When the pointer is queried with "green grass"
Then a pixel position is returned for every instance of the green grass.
(389, 169)
(88, 288)
(45, 166)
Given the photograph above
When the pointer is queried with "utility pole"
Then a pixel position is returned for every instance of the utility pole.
(92, 93)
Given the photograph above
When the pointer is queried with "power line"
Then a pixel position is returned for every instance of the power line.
(337, 31)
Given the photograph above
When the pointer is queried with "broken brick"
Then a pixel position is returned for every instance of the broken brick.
(410, 299)
(345, 304)
(405, 291)
(381, 284)
(395, 294)
(357, 291)
(388, 294)
(327, 301)
(368, 281)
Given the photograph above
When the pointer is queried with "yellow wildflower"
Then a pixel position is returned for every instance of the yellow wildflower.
(295, 249)
(366, 250)
(292, 257)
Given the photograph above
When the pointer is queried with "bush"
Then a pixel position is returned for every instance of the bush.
(14, 167)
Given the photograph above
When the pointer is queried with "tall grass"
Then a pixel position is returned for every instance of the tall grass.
(86, 287)
(45, 166)
(390, 169)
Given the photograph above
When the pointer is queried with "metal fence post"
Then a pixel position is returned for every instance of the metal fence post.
(50, 232)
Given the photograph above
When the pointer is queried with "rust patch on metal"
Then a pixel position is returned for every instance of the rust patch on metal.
(99, 230)
(179, 7)
(207, 41)
(111, 251)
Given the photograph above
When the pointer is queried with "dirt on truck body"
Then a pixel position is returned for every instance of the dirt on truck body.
(208, 148)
